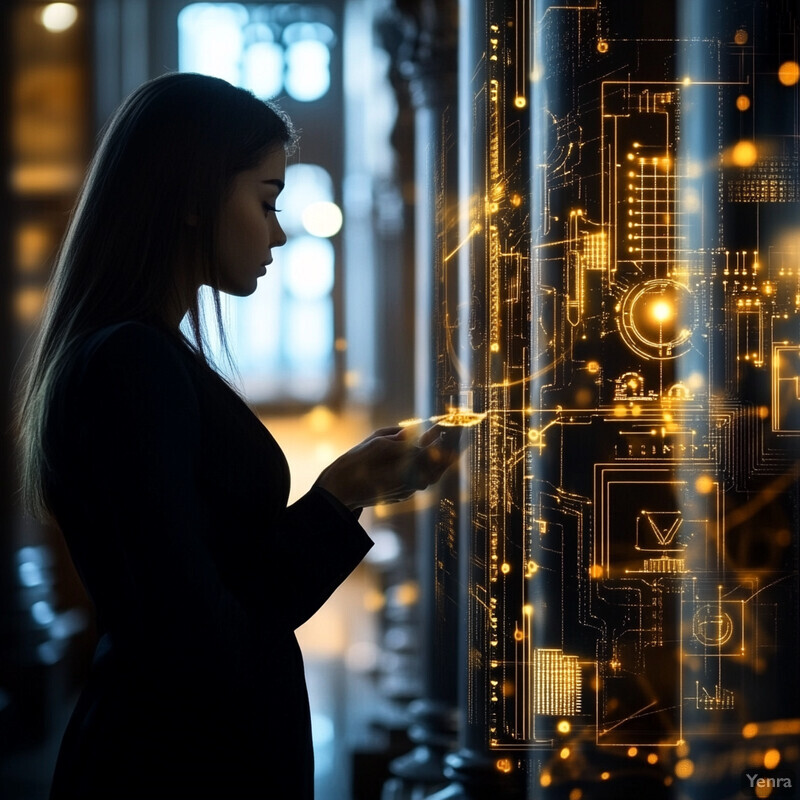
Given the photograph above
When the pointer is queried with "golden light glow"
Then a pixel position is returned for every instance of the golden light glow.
(684, 768)
(740, 37)
(596, 571)
(789, 73)
(652, 758)
(28, 304)
(593, 367)
(604, 776)
(632, 752)
(406, 594)
(564, 752)
(527, 610)
(545, 779)
(520, 102)
(772, 758)
(459, 418)
(505, 568)
(744, 154)
(662, 311)
(504, 764)
(704, 484)
(742, 102)
(563, 726)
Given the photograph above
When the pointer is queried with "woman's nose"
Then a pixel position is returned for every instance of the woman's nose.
(278, 235)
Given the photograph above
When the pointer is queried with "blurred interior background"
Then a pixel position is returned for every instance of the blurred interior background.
(324, 349)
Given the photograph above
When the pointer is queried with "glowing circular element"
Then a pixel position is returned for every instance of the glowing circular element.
(520, 102)
(656, 319)
(789, 73)
(322, 219)
(742, 102)
(57, 17)
(602, 46)
(308, 74)
(711, 626)
(744, 154)
(740, 37)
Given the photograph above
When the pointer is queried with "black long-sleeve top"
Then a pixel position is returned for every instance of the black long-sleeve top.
(172, 497)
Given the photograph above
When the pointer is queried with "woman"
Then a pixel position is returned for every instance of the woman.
(171, 495)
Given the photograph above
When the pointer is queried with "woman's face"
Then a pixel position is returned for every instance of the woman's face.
(247, 227)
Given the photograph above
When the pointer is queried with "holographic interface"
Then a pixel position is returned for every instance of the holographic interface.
(629, 360)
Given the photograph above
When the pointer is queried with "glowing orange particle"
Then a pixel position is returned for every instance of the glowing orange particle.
(789, 73)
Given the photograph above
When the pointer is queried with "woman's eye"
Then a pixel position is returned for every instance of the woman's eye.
(267, 207)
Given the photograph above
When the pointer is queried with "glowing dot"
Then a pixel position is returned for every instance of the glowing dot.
(516, 200)
(704, 484)
(518, 636)
(604, 776)
(592, 367)
(772, 758)
(763, 791)
(527, 610)
(636, 411)
(340, 344)
(744, 154)
(504, 764)
(684, 768)
(576, 794)
(545, 779)
(563, 726)
(564, 752)
(520, 102)
(596, 571)
(742, 102)
(57, 17)
(630, 156)
(374, 600)
(661, 311)
(505, 568)
(740, 37)
(652, 758)
(619, 411)
(687, 81)
(602, 46)
(789, 73)
(323, 219)
(494, 347)
(406, 594)
(632, 751)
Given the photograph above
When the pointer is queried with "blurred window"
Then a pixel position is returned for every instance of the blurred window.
(282, 337)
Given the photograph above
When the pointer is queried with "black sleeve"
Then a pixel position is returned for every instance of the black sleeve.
(143, 546)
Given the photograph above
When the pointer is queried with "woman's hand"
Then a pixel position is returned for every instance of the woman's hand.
(389, 466)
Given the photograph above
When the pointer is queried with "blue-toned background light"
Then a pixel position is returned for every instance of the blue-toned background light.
(262, 69)
(308, 75)
(308, 262)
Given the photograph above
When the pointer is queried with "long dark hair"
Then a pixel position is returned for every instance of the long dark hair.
(148, 206)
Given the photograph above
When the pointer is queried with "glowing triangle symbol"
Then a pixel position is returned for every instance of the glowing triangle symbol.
(665, 525)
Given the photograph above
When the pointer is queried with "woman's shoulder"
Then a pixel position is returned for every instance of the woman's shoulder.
(130, 355)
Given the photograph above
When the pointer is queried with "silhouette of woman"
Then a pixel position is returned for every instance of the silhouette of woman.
(170, 493)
